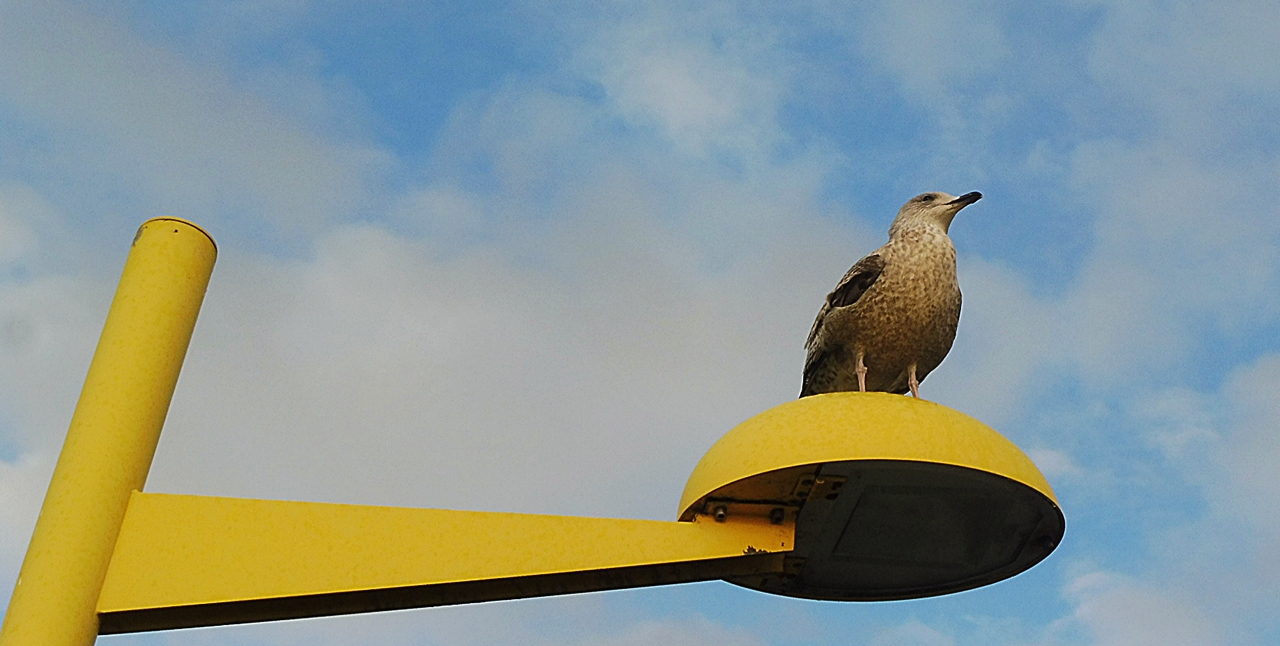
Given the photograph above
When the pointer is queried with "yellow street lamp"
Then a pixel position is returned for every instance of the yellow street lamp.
(846, 496)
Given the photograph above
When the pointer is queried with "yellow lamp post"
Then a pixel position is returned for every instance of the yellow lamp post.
(847, 496)
(113, 435)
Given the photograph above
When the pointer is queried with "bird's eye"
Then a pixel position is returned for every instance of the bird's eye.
(926, 198)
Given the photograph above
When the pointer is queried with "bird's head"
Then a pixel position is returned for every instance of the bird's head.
(935, 208)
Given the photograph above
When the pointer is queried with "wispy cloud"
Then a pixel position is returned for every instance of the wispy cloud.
(180, 136)
(1116, 610)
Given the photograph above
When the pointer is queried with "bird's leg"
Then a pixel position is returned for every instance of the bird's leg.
(861, 369)
(912, 382)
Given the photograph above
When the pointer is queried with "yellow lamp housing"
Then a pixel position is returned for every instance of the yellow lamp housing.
(892, 497)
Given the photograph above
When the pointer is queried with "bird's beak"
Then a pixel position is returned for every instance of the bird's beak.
(965, 200)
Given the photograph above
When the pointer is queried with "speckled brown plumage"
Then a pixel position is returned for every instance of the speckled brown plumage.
(898, 307)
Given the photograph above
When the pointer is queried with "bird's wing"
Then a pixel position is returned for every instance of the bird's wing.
(855, 283)
(814, 363)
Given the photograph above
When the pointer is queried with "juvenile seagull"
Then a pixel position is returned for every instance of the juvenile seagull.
(893, 316)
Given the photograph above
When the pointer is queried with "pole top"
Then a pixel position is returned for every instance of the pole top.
(168, 218)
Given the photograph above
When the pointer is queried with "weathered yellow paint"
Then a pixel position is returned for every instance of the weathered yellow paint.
(184, 561)
(112, 436)
(838, 427)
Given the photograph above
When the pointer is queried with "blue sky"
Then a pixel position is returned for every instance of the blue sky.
(573, 243)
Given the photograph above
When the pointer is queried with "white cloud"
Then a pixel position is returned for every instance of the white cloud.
(1005, 336)
(933, 49)
(703, 75)
(382, 372)
(578, 620)
(1179, 421)
(587, 326)
(1252, 449)
(183, 136)
(1186, 240)
(22, 485)
(16, 238)
(1053, 463)
(1116, 610)
(1187, 63)
(693, 632)
(48, 329)
(1207, 578)
(1244, 490)
(1180, 247)
(27, 219)
(912, 633)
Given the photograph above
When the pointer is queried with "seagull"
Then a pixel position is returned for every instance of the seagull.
(892, 318)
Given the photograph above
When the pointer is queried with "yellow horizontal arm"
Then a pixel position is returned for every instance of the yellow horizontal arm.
(187, 561)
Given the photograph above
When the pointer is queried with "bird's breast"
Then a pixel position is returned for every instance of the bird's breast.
(916, 301)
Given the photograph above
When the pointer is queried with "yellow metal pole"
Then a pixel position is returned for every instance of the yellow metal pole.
(112, 437)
